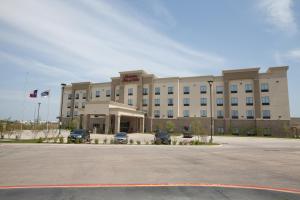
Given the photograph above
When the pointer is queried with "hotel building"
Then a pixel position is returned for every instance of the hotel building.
(243, 101)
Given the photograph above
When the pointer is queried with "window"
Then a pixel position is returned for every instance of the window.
(117, 92)
(220, 102)
(170, 90)
(233, 88)
(130, 102)
(130, 91)
(107, 93)
(77, 96)
(97, 93)
(84, 95)
(203, 101)
(249, 101)
(219, 89)
(83, 105)
(235, 131)
(266, 114)
(220, 114)
(186, 90)
(203, 89)
(248, 88)
(145, 102)
(69, 96)
(265, 100)
(76, 105)
(234, 114)
(234, 101)
(203, 113)
(68, 113)
(250, 114)
(170, 113)
(145, 91)
(220, 130)
(75, 113)
(186, 101)
(186, 113)
(170, 101)
(69, 105)
(157, 91)
(156, 113)
(157, 102)
(264, 87)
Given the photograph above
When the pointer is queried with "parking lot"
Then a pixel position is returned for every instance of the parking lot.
(268, 162)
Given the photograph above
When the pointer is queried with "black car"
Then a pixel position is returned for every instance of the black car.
(80, 135)
(121, 138)
(162, 138)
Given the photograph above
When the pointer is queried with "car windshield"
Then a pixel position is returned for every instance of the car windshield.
(162, 134)
(77, 132)
(120, 134)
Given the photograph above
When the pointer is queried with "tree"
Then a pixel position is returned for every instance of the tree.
(197, 130)
(170, 126)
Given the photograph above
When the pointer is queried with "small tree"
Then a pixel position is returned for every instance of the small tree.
(197, 129)
(170, 126)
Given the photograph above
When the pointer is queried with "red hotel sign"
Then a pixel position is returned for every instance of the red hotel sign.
(129, 78)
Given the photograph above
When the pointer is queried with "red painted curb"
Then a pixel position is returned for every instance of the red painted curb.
(288, 190)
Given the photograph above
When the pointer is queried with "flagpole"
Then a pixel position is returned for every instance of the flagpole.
(48, 104)
(24, 97)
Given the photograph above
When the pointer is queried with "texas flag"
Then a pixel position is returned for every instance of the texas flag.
(45, 93)
(33, 94)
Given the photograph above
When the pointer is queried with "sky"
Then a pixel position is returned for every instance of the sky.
(46, 43)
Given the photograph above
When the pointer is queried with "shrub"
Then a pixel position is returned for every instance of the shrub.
(55, 140)
(131, 141)
(40, 140)
(192, 142)
(138, 142)
(147, 143)
(61, 140)
(96, 141)
(77, 141)
(158, 142)
(69, 141)
(174, 142)
(180, 143)
(112, 141)
(105, 141)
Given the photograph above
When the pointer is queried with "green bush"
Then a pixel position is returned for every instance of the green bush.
(131, 141)
(138, 142)
(105, 141)
(158, 142)
(61, 140)
(40, 140)
(96, 141)
(147, 143)
(180, 143)
(112, 141)
(174, 142)
(55, 139)
(77, 141)
(69, 141)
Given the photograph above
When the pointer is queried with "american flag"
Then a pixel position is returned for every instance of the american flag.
(33, 94)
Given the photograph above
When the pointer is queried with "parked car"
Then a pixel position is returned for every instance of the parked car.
(79, 134)
(121, 138)
(187, 133)
(162, 138)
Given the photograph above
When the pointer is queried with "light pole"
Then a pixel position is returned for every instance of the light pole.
(210, 82)
(61, 106)
(38, 115)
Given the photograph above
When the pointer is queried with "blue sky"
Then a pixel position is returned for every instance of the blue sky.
(69, 41)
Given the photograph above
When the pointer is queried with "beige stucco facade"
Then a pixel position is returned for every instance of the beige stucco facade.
(238, 97)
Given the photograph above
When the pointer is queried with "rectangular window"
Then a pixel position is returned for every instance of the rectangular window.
(84, 95)
(203, 113)
(234, 101)
(203, 89)
(156, 113)
(69, 96)
(266, 114)
(186, 113)
(264, 87)
(186, 90)
(249, 101)
(117, 92)
(83, 105)
(130, 91)
(130, 102)
(250, 114)
(234, 114)
(157, 102)
(170, 90)
(69, 105)
(145, 91)
(145, 102)
(220, 101)
(97, 93)
(107, 93)
(76, 105)
(203, 101)
(220, 114)
(170, 101)
(68, 113)
(248, 88)
(77, 96)
(186, 102)
(75, 113)
(219, 89)
(220, 130)
(157, 91)
(265, 100)
(233, 88)
(170, 113)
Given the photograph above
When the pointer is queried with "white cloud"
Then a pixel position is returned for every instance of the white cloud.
(280, 14)
(287, 57)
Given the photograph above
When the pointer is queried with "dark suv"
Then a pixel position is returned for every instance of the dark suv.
(162, 138)
(81, 135)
